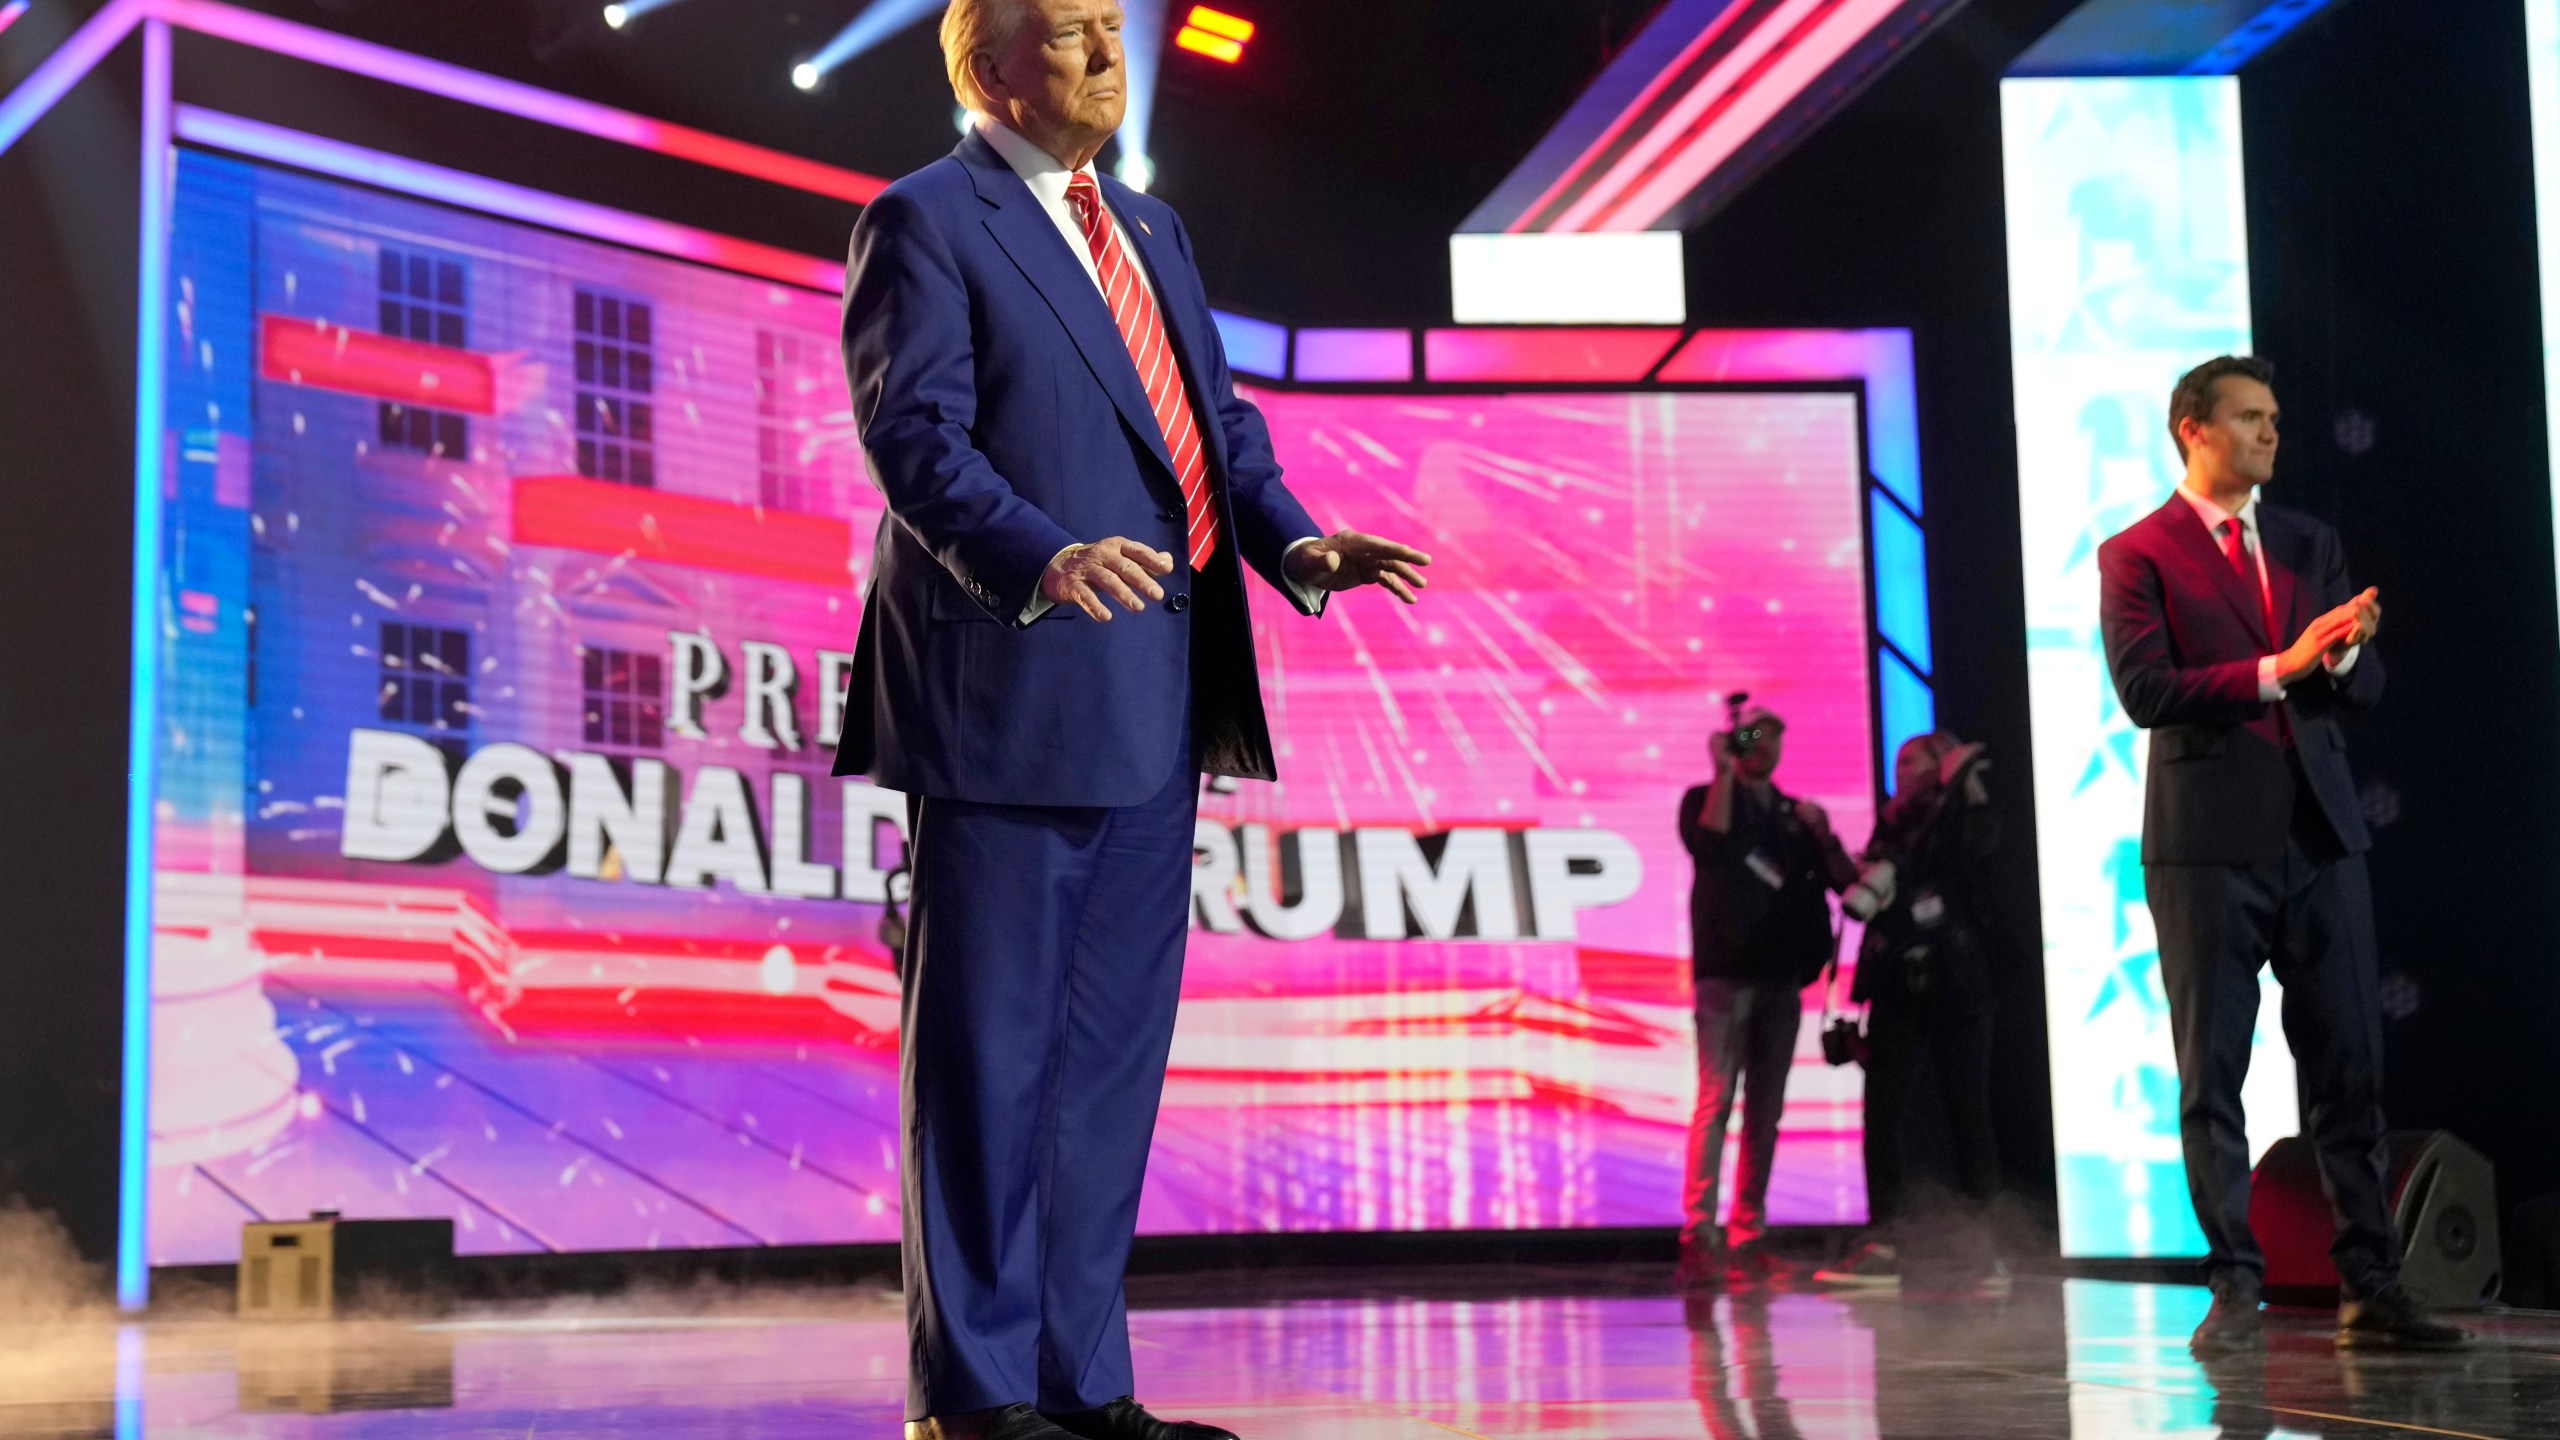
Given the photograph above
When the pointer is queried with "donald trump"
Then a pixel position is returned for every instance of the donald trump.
(1054, 648)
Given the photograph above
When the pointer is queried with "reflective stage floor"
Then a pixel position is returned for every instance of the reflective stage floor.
(1583, 1352)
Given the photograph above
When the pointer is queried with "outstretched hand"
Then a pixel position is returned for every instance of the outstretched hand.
(1121, 568)
(1348, 559)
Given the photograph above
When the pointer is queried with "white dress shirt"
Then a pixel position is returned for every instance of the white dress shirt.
(2214, 517)
(1048, 178)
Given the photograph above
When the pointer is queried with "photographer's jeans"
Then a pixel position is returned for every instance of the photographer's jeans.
(1746, 1037)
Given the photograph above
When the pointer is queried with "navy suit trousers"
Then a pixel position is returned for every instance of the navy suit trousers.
(2310, 915)
(1044, 962)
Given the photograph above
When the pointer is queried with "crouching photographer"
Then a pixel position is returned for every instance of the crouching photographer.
(1925, 971)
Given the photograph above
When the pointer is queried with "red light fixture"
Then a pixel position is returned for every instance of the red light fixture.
(1214, 33)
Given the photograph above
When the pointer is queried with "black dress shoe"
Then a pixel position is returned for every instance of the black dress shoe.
(1126, 1419)
(1010, 1422)
(1753, 1263)
(2392, 1319)
(2233, 1324)
(1701, 1267)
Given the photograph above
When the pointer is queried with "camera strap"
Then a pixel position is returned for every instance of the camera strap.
(1831, 971)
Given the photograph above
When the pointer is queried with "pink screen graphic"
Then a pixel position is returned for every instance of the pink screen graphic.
(470, 499)
(1607, 568)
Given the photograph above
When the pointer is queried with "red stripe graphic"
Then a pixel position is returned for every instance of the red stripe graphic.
(608, 519)
(360, 362)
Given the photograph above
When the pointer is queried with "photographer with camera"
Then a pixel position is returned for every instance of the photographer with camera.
(1925, 969)
(1760, 926)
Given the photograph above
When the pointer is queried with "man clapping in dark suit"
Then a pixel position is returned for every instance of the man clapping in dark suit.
(2236, 638)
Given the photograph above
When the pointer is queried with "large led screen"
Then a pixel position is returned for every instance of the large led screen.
(510, 580)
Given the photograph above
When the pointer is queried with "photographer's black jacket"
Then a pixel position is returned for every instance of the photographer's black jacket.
(1741, 927)
(1940, 852)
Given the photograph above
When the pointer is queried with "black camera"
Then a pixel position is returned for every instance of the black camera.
(1744, 737)
(1844, 1041)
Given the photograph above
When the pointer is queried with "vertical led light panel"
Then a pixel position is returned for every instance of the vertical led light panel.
(150, 411)
(2542, 72)
(2128, 263)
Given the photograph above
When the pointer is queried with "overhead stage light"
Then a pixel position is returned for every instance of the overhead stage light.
(10, 12)
(1214, 33)
(623, 12)
(806, 75)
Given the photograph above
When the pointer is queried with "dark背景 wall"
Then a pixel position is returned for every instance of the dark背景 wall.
(2394, 282)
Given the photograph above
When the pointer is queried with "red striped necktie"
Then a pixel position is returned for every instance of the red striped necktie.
(1134, 311)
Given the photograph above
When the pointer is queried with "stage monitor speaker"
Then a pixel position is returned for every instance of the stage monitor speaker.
(316, 1269)
(2443, 1196)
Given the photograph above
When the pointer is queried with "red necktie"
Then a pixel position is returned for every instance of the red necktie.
(2235, 546)
(1134, 311)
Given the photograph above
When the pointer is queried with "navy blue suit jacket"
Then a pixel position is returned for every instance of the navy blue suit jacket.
(2184, 633)
(1003, 418)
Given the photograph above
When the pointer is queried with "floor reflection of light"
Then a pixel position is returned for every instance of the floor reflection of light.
(129, 1372)
(2086, 1358)
(597, 1325)
(2128, 1353)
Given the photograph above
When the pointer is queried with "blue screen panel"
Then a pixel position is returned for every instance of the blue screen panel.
(1256, 347)
(1909, 707)
(1902, 580)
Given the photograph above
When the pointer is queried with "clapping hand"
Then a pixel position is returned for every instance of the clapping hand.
(2320, 641)
(1348, 559)
(2330, 637)
(2367, 609)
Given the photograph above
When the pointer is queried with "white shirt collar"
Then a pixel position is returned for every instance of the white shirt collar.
(1047, 180)
(2213, 515)
(1047, 176)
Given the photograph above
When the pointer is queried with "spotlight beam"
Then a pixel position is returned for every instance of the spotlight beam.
(623, 12)
(877, 22)
(1142, 47)
(1142, 40)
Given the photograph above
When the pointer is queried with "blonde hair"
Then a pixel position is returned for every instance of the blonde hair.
(968, 28)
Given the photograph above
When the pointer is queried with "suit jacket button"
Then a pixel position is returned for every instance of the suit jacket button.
(1177, 603)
